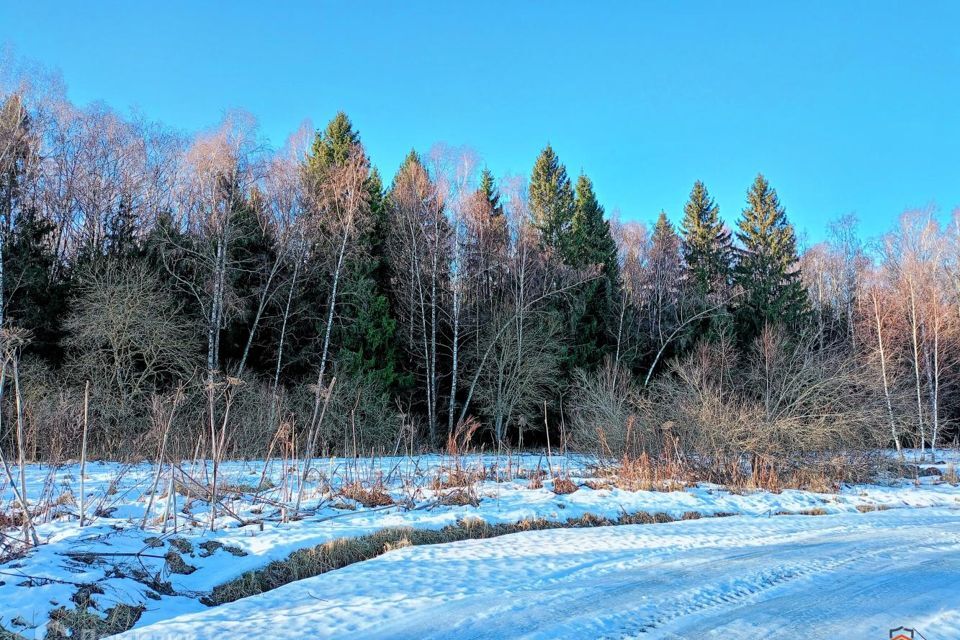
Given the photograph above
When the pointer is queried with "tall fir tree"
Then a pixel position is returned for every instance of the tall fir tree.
(589, 241)
(708, 263)
(706, 243)
(551, 200)
(366, 345)
(487, 234)
(488, 190)
(590, 245)
(767, 268)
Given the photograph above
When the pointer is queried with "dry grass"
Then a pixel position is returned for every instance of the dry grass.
(374, 495)
(642, 473)
(340, 553)
(867, 508)
(457, 476)
(460, 497)
(563, 485)
(950, 474)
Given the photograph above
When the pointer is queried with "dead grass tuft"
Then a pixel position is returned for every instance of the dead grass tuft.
(369, 496)
(867, 508)
(83, 623)
(563, 485)
(460, 497)
(950, 474)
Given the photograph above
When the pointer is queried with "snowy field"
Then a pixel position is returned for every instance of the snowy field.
(878, 555)
(842, 576)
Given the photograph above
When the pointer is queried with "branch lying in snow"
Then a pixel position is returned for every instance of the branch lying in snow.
(41, 578)
(86, 554)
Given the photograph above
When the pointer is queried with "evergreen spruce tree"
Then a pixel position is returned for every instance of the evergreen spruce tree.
(768, 266)
(590, 242)
(36, 295)
(488, 190)
(708, 263)
(707, 249)
(366, 345)
(491, 219)
(551, 200)
(333, 145)
(590, 245)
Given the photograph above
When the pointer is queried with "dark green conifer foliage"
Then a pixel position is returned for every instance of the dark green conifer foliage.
(590, 242)
(35, 287)
(366, 344)
(768, 265)
(707, 249)
(551, 200)
(590, 245)
(252, 254)
(665, 280)
(36, 290)
(708, 262)
(488, 189)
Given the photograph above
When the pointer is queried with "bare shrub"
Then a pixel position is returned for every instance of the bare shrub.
(604, 411)
(129, 337)
(795, 410)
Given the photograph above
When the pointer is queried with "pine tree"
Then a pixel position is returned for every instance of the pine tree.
(551, 200)
(707, 249)
(768, 266)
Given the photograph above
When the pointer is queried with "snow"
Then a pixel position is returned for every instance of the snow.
(842, 576)
(46, 578)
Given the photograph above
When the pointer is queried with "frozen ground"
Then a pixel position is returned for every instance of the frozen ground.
(130, 565)
(839, 576)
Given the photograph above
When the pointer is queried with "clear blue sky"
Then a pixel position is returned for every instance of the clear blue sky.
(845, 106)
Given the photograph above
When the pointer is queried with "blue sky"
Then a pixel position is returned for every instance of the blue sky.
(845, 106)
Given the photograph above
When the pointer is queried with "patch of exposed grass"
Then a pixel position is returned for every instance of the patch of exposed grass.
(563, 485)
(85, 621)
(176, 563)
(209, 547)
(336, 554)
(6, 634)
(867, 508)
(815, 511)
(950, 474)
(372, 496)
(182, 545)
(459, 497)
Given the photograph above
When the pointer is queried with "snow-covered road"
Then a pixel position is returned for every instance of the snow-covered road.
(839, 576)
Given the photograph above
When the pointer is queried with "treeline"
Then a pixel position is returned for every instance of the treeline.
(241, 299)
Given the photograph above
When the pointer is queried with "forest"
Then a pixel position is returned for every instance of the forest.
(231, 299)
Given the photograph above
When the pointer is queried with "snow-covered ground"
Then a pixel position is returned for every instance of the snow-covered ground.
(132, 565)
(842, 576)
